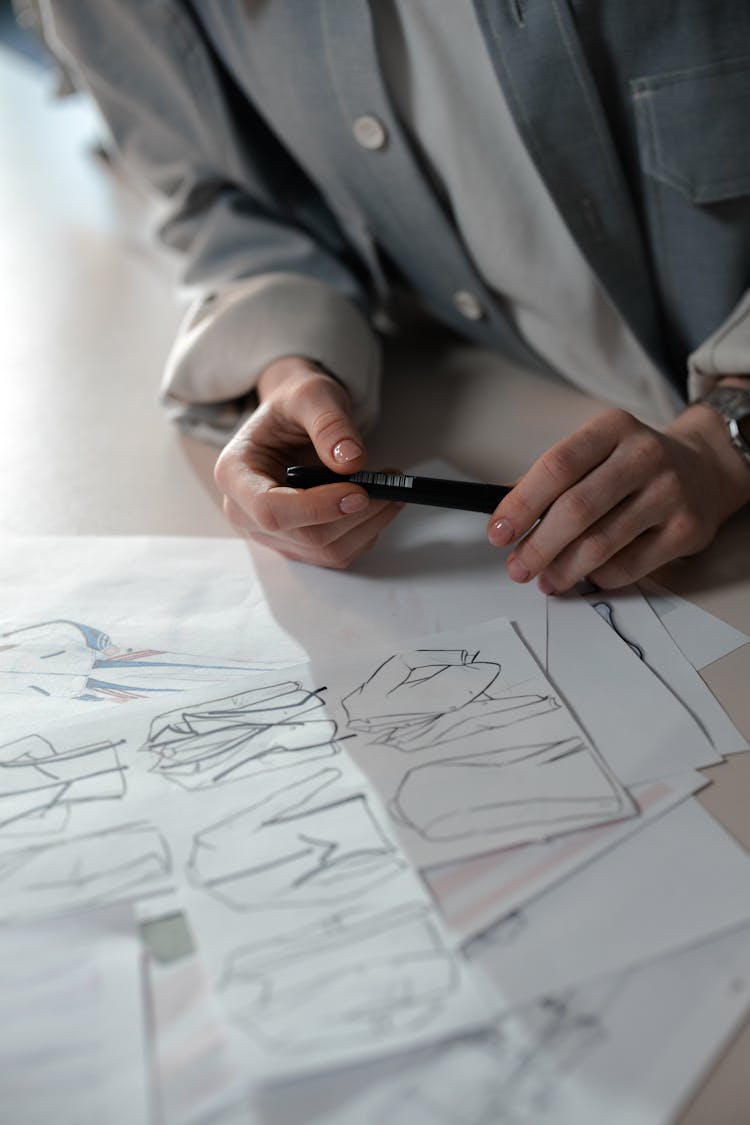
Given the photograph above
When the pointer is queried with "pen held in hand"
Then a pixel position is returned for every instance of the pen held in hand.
(467, 496)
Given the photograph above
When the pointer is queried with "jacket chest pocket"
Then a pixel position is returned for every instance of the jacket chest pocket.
(694, 129)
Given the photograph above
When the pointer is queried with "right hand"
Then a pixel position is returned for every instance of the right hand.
(302, 411)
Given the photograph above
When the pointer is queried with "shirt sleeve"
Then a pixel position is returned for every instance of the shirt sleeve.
(264, 258)
(224, 343)
(725, 352)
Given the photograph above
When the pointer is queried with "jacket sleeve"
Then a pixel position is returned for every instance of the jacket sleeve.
(725, 352)
(269, 270)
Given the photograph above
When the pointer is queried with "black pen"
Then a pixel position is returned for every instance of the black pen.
(466, 496)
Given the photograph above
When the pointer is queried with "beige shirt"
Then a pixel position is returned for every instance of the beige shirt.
(445, 91)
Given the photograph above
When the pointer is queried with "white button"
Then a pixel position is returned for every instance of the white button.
(369, 132)
(468, 305)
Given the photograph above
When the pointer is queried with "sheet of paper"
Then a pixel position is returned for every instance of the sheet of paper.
(196, 1072)
(700, 636)
(680, 880)
(432, 573)
(216, 598)
(72, 1026)
(641, 727)
(626, 1050)
(57, 669)
(470, 747)
(73, 833)
(323, 943)
(631, 617)
(473, 894)
(466, 743)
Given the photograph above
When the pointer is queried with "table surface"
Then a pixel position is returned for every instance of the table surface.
(89, 312)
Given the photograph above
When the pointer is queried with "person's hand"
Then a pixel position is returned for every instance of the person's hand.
(302, 413)
(617, 499)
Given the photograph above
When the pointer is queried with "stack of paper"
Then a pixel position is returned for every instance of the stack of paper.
(407, 844)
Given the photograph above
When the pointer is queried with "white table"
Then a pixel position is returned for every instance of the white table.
(88, 314)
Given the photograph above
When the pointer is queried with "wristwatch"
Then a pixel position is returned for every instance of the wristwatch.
(733, 404)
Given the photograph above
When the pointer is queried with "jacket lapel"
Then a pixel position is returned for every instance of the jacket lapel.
(546, 80)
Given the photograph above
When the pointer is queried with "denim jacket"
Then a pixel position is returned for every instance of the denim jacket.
(250, 119)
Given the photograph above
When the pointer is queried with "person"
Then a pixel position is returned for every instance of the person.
(566, 184)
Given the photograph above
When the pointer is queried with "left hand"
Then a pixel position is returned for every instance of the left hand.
(617, 499)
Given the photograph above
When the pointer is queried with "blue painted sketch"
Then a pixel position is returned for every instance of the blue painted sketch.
(69, 660)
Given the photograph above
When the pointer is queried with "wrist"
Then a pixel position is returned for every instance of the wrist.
(281, 375)
(280, 371)
(742, 381)
(705, 431)
(730, 399)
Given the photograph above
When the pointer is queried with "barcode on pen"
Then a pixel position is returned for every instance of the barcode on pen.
(399, 480)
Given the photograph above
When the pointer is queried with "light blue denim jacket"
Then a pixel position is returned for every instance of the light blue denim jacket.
(242, 115)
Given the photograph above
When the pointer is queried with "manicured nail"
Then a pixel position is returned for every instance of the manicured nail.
(518, 570)
(545, 585)
(353, 502)
(501, 533)
(346, 450)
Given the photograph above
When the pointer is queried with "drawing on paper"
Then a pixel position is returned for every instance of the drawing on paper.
(456, 798)
(486, 754)
(229, 739)
(281, 852)
(607, 612)
(88, 870)
(433, 697)
(69, 660)
(362, 988)
(512, 1074)
(39, 784)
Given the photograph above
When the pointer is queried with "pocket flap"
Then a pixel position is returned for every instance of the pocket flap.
(694, 129)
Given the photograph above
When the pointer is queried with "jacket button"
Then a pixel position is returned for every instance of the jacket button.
(468, 305)
(369, 132)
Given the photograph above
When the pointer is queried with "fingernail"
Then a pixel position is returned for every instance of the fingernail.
(501, 533)
(545, 585)
(346, 450)
(518, 570)
(353, 502)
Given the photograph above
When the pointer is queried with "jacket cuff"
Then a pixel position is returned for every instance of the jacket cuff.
(228, 339)
(725, 352)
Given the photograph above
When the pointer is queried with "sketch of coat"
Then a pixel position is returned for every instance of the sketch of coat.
(272, 727)
(431, 696)
(357, 991)
(69, 660)
(325, 855)
(34, 777)
(89, 870)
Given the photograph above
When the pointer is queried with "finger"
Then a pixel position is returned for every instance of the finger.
(554, 473)
(246, 474)
(315, 515)
(588, 523)
(283, 510)
(339, 553)
(680, 536)
(313, 410)
(639, 558)
(292, 508)
(318, 408)
(598, 544)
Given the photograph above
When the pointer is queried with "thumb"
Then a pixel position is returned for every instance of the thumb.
(322, 409)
